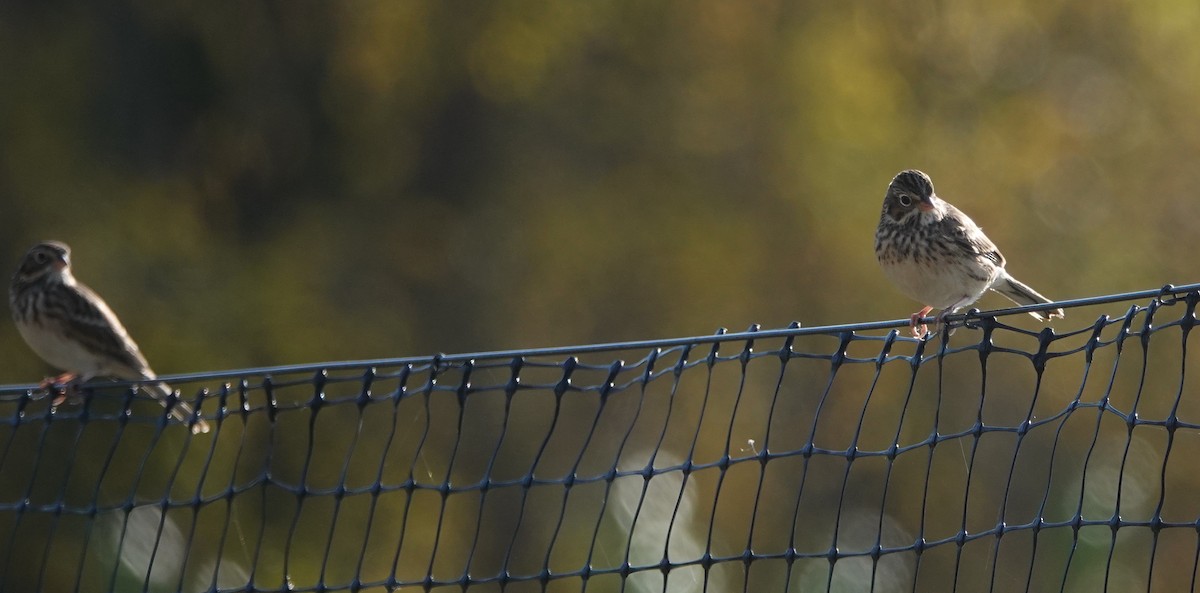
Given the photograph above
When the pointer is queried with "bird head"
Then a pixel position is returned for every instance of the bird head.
(910, 193)
(46, 258)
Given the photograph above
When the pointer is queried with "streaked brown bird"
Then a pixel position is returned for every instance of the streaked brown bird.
(937, 255)
(73, 329)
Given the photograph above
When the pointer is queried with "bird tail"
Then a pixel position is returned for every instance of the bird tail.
(181, 411)
(1021, 294)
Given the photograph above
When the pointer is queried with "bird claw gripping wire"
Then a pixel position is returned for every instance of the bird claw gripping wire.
(63, 388)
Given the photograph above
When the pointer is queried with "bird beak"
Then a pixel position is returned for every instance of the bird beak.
(62, 263)
(925, 204)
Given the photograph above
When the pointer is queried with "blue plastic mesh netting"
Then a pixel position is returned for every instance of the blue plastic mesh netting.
(844, 458)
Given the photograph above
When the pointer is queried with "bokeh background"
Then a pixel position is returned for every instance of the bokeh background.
(274, 183)
(289, 182)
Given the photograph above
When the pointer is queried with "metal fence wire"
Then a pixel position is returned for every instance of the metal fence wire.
(1005, 457)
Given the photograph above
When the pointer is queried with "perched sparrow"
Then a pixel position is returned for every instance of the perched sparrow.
(71, 327)
(937, 255)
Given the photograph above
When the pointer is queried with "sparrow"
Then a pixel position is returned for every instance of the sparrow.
(937, 255)
(73, 329)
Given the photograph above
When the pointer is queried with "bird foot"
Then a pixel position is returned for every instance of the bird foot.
(914, 322)
(62, 387)
(943, 323)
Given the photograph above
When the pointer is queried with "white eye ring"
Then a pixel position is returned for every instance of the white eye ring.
(905, 200)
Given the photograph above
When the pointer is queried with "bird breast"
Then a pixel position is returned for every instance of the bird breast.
(54, 347)
(938, 282)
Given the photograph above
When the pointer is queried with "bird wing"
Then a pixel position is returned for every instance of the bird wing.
(970, 238)
(95, 325)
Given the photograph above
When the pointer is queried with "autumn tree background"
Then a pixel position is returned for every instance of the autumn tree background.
(285, 182)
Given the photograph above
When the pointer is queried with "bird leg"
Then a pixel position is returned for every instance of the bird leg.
(941, 318)
(942, 323)
(61, 387)
(915, 321)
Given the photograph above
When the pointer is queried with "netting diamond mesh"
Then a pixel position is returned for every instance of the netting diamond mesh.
(799, 460)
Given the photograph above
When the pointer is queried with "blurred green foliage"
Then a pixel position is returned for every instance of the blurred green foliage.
(286, 182)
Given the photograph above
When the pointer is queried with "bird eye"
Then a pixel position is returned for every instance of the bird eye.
(40, 257)
(905, 200)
